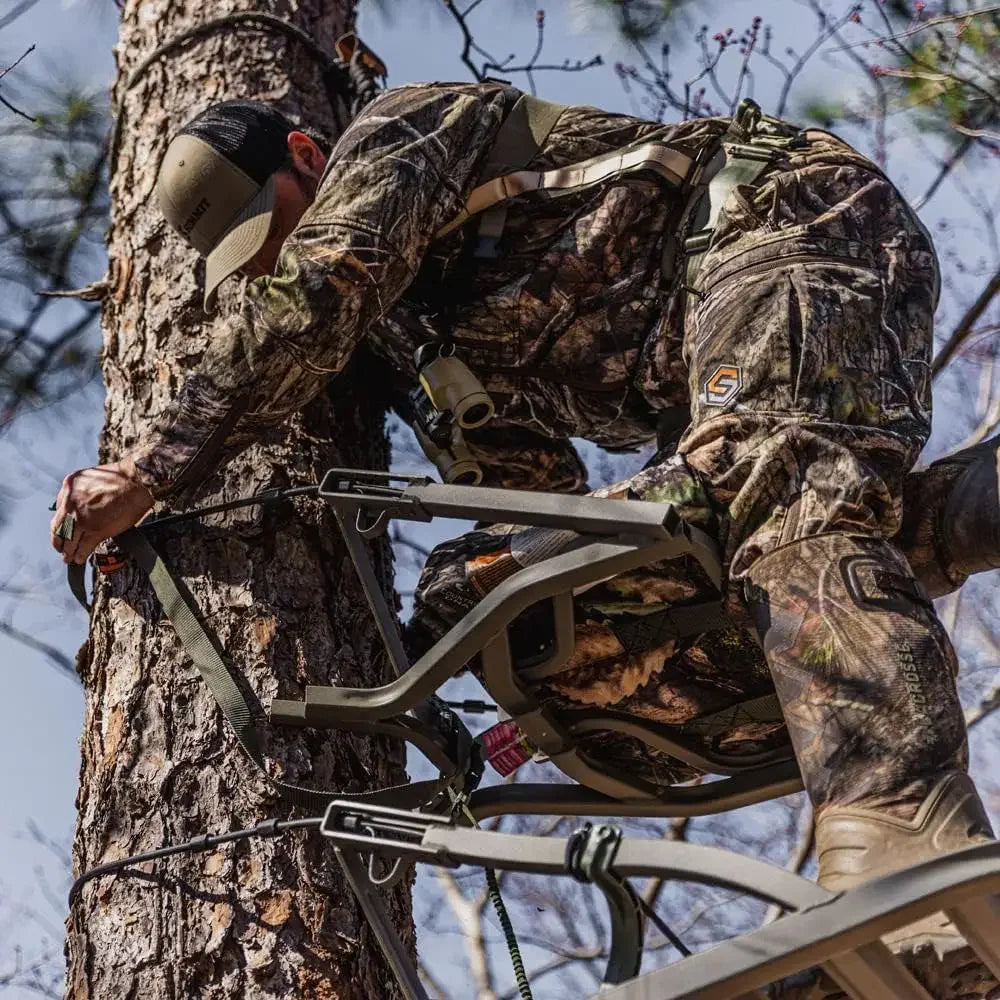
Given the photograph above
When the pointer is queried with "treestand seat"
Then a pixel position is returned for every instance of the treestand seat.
(827, 945)
(615, 537)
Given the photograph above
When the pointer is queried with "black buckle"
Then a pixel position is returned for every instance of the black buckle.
(590, 853)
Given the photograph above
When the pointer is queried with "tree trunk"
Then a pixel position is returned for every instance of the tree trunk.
(259, 918)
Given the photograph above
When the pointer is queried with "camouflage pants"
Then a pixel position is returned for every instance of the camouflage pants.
(807, 344)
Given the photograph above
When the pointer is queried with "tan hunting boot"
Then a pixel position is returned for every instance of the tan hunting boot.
(856, 845)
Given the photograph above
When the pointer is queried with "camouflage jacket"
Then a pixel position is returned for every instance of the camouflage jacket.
(554, 326)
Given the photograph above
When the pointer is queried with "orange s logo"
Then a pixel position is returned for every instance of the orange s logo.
(722, 385)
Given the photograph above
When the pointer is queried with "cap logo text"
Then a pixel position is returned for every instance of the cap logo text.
(192, 220)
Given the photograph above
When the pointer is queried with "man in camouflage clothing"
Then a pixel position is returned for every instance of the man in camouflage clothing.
(800, 343)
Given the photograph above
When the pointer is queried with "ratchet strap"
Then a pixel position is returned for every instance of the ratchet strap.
(179, 608)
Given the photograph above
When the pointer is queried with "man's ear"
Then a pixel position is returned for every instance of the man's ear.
(307, 157)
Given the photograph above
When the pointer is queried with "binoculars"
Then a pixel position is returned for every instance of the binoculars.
(453, 459)
(448, 398)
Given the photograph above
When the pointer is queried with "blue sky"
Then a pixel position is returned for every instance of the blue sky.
(41, 713)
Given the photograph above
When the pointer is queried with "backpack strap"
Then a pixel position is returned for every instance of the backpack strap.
(518, 141)
(740, 158)
(521, 135)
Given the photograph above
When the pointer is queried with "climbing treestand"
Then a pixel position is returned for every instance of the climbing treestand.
(433, 822)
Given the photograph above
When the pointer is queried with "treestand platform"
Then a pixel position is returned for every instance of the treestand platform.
(434, 822)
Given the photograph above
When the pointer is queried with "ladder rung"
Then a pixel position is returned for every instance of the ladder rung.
(978, 921)
(872, 972)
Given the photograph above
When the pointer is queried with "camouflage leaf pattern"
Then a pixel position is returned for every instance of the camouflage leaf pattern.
(864, 671)
(818, 289)
(672, 682)
(951, 517)
(553, 327)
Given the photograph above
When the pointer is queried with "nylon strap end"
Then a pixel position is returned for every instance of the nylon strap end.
(76, 577)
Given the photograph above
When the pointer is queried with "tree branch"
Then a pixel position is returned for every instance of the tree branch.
(468, 915)
(895, 36)
(56, 658)
(5, 21)
(946, 168)
(965, 325)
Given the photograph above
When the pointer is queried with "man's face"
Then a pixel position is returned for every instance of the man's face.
(294, 191)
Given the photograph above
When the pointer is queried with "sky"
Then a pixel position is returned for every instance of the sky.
(41, 712)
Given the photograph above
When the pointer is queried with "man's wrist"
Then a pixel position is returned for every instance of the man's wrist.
(141, 467)
(130, 470)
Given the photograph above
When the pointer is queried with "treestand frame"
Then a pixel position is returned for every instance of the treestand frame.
(839, 931)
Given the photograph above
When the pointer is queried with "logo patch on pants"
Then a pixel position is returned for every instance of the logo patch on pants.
(722, 386)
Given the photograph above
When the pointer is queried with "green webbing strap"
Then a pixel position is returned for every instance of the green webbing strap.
(730, 167)
(739, 159)
(519, 138)
(179, 608)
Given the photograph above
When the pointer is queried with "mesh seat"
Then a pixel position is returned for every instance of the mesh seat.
(614, 537)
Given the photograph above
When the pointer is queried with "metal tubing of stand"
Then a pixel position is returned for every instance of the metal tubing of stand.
(374, 909)
(384, 618)
(709, 798)
(449, 655)
(840, 931)
(842, 934)
(582, 514)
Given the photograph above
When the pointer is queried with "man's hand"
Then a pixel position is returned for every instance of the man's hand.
(100, 503)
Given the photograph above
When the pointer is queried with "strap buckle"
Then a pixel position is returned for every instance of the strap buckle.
(748, 116)
(590, 853)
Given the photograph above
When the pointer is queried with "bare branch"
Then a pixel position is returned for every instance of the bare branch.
(965, 325)
(6, 20)
(977, 133)
(467, 42)
(17, 111)
(748, 48)
(468, 915)
(946, 168)
(932, 23)
(16, 12)
(828, 30)
(56, 658)
(676, 829)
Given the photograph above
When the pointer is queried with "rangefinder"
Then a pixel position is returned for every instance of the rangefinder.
(454, 461)
(453, 388)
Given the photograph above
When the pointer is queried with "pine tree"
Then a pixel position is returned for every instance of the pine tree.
(262, 918)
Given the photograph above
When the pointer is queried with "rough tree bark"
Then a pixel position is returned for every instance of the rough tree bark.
(261, 918)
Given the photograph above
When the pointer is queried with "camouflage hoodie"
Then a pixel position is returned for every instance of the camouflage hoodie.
(553, 326)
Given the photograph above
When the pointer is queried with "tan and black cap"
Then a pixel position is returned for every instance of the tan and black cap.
(216, 184)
